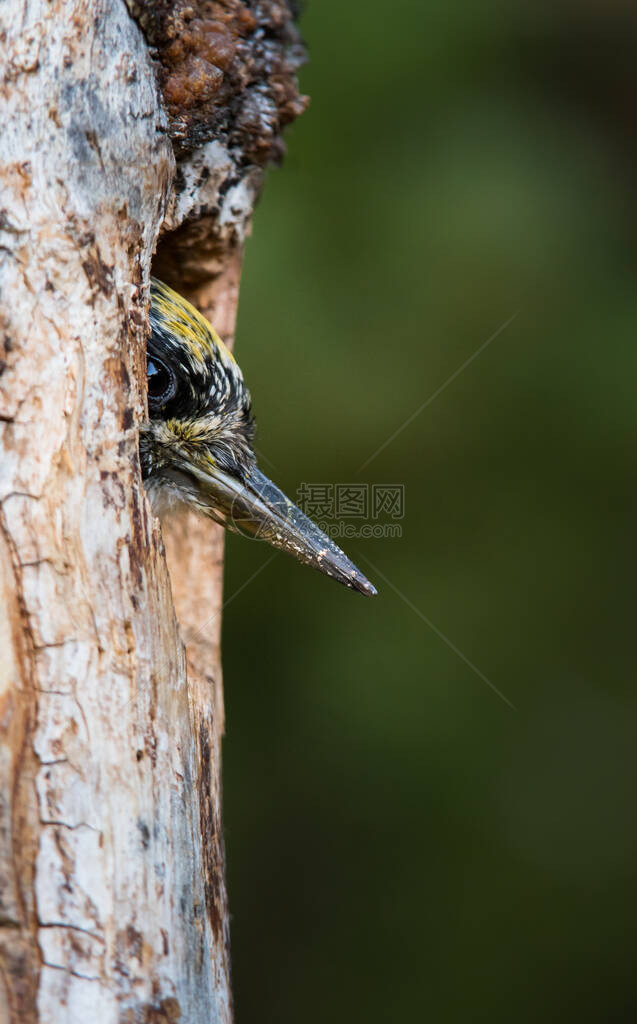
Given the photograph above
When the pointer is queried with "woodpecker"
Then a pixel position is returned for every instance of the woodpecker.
(197, 448)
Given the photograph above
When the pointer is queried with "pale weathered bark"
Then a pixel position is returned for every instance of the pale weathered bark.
(112, 893)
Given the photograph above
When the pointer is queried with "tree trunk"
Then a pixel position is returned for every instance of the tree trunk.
(124, 130)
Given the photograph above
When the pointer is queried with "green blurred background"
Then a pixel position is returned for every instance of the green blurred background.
(402, 844)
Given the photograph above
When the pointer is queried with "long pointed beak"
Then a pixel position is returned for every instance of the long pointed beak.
(253, 505)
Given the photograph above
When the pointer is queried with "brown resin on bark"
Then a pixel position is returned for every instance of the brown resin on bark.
(227, 70)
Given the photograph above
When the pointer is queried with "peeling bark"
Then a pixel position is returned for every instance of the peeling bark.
(112, 892)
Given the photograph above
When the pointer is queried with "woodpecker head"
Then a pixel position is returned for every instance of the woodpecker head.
(197, 448)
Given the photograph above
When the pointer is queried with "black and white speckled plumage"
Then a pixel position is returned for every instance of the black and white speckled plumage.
(211, 405)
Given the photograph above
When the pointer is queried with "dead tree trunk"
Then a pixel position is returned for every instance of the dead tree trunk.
(124, 129)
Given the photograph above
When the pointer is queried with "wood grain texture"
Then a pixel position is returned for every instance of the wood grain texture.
(103, 882)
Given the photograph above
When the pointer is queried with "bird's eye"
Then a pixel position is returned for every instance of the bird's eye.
(161, 382)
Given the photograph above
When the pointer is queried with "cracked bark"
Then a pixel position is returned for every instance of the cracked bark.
(126, 129)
